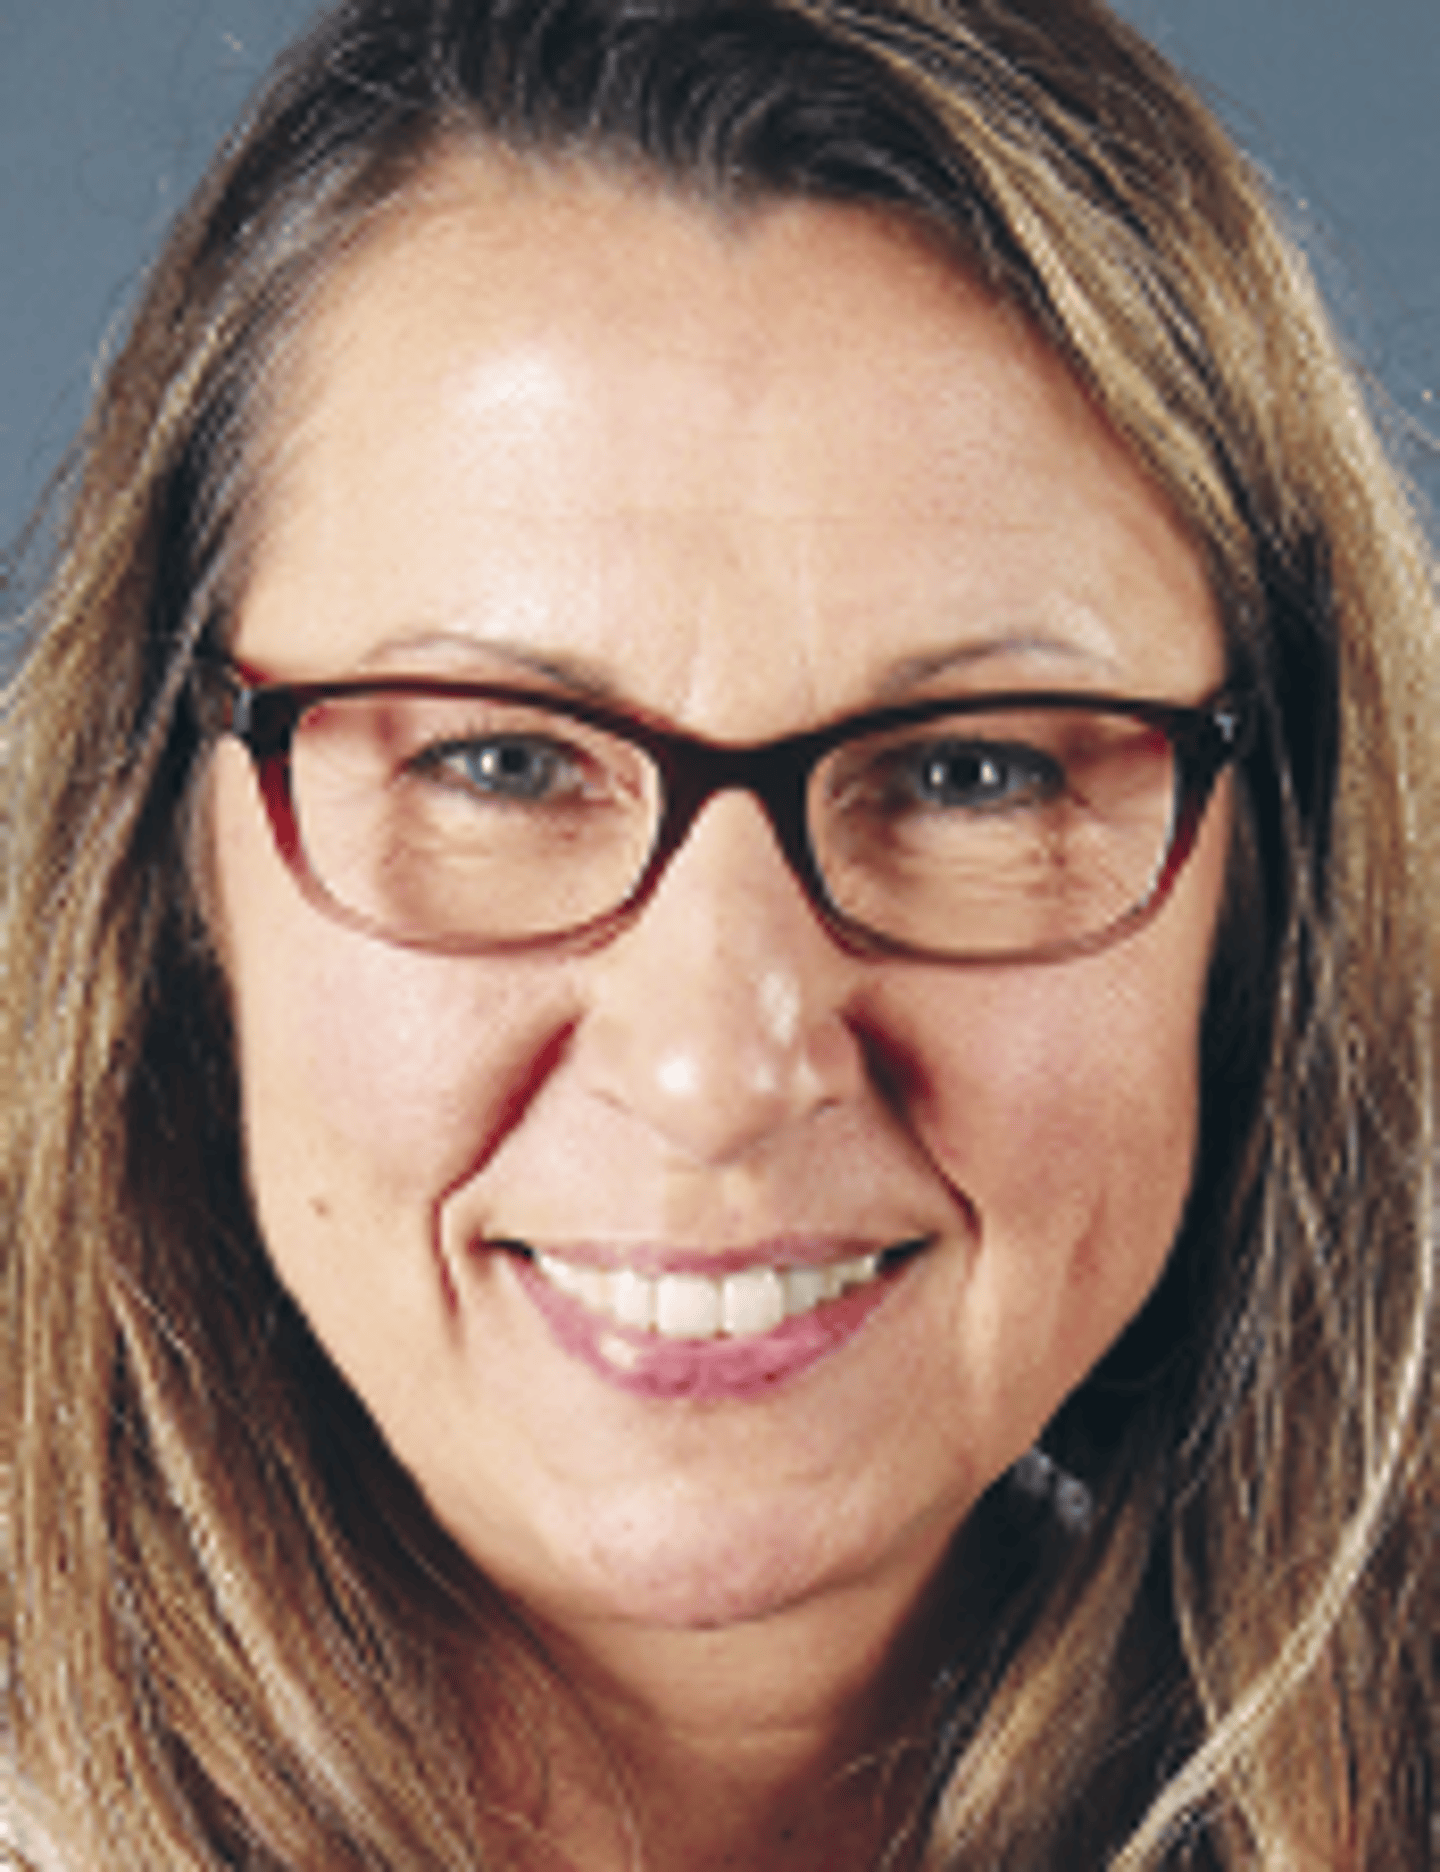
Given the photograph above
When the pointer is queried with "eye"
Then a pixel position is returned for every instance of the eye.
(970, 775)
(518, 768)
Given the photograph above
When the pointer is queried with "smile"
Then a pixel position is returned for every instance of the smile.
(739, 1305)
(678, 1333)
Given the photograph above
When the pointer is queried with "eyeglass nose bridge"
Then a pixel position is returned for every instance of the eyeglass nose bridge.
(776, 775)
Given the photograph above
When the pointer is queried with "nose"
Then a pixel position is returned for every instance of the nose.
(719, 1017)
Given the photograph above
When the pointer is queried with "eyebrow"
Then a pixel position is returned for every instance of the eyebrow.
(567, 670)
(913, 672)
(582, 676)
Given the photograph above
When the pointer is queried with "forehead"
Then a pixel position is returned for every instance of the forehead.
(631, 433)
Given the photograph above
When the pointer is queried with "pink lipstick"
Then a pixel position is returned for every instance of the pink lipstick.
(733, 1334)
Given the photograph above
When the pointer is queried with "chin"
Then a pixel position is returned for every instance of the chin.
(705, 1563)
(726, 1584)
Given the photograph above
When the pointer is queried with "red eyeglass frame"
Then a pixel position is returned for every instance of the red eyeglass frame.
(1206, 737)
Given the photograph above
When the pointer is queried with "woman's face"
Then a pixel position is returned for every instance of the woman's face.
(746, 478)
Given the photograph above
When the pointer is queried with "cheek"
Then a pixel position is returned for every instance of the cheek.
(1066, 1092)
(362, 1053)
(373, 1078)
(1064, 1103)
(1064, 1113)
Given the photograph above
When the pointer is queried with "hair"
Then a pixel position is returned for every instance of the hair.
(235, 1635)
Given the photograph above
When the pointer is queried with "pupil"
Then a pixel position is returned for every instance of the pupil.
(960, 773)
(513, 766)
(963, 773)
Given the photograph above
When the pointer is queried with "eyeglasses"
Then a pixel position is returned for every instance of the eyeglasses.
(478, 817)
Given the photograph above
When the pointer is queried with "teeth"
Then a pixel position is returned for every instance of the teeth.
(804, 1289)
(687, 1306)
(632, 1298)
(692, 1306)
(591, 1289)
(752, 1302)
(562, 1274)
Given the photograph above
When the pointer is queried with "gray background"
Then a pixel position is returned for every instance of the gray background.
(108, 109)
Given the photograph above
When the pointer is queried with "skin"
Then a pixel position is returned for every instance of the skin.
(746, 476)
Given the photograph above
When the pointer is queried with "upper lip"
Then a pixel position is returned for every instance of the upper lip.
(779, 1251)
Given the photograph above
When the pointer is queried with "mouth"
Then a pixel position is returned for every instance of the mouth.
(677, 1332)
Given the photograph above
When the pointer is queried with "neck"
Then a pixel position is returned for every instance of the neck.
(783, 1744)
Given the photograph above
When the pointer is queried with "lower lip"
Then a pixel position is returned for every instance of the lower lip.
(702, 1370)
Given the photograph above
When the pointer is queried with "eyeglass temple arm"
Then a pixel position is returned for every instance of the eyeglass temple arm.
(262, 720)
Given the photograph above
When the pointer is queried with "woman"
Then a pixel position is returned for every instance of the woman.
(722, 950)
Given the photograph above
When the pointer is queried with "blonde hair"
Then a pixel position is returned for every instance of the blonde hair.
(235, 1635)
